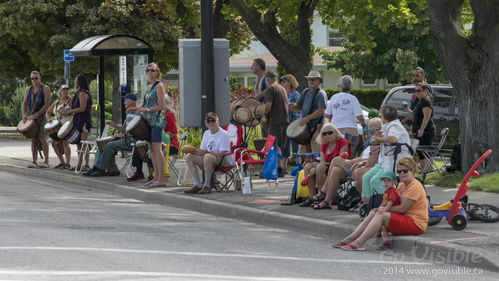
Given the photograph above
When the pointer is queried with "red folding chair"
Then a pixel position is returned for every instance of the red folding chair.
(244, 160)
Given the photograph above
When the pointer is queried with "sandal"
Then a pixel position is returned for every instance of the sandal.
(355, 209)
(60, 166)
(85, 168)
(156, 184)
(44, 165)
(322, 205)
(319, 197)
(352, 247)
(66, 166)
(307, 203)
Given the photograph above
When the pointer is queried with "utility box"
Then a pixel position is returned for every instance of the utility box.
(190, 81)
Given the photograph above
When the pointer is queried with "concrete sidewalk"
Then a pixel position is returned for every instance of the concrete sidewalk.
(477, 245)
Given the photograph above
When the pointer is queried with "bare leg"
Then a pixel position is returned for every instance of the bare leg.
(67, 151)
(320, 175)
(360, 228)
(55, 146)
(379, 220)
(158, 162)
(34, 152)
(309, 170)
(332, 182)
(45, 149)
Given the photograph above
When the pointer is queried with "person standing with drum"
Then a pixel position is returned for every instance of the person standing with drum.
(152, 110)
(276, 110)
(35, 103)
(313, 104)
(64, 101)
(289, 83)
(80, 108)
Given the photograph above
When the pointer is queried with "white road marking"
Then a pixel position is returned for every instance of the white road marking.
(150, 274)
(208, 255)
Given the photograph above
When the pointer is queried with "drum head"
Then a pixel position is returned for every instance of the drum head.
(65, 129)
(134, 122)
(23, 126)
(52, 124)
(294, 129)
(242, 115)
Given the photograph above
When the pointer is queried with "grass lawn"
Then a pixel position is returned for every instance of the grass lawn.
(487, 182)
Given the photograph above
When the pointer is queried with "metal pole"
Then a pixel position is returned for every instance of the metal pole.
(100, 93)
(207, 64)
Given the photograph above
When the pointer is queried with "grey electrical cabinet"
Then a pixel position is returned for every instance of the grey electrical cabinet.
(190, 81)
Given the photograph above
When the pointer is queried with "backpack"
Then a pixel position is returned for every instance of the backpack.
(348, 200)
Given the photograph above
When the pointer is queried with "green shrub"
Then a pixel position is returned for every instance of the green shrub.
(15, 115)
(368, 98)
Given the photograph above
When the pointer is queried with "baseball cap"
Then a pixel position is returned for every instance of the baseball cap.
(62, 87)
(388, 175)
(130, 96)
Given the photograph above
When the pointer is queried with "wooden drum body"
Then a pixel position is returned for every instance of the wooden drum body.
(29, 128)
(297, 133)
(244, 111)
(52, 128)
(142, 148)
(101, 144)
(139, 128)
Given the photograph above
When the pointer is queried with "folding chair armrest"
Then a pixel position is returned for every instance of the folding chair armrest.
(254, 151)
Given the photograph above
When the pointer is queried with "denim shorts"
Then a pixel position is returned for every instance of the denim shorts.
(156, 134)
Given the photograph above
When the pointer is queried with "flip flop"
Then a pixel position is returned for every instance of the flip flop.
(44, 165)
(156, 184)
(351, 247)
(339, 244)
(34, 165)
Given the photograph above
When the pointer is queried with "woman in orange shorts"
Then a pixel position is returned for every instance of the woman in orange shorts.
(408, 218)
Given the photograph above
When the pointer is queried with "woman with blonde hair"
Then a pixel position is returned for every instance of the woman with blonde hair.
(289, 83)
(152, 110)
(332, 144)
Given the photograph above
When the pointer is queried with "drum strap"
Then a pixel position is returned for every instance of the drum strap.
(316, 93)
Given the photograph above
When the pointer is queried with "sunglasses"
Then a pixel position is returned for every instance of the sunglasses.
(418, 90)
(405, 171)
(150, 70)
(211, 120)
(327, 133)
(34, 78)
(283, 79)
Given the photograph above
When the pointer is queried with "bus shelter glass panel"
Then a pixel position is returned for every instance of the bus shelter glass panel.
(139, 79)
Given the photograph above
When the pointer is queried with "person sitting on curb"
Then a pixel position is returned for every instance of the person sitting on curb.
(408, 218)
(215, 144)
(102, 158)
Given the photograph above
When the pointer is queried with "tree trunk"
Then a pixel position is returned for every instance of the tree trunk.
(472, 65)
(295, 59)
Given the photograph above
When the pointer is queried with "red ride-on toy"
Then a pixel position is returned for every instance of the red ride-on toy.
(453, 210)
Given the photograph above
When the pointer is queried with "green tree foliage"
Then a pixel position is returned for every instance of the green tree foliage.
(396, 41)
(34, 33)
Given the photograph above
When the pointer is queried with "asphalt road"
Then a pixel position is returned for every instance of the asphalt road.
(51, 231)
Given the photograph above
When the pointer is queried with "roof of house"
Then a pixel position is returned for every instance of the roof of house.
(244, 63)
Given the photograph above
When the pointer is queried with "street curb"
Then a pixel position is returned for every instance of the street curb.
(419, 247)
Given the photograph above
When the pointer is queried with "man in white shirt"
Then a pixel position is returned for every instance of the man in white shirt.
(212, 153)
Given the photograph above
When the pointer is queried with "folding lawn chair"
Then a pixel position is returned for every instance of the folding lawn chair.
(431, 153)
(244, 159)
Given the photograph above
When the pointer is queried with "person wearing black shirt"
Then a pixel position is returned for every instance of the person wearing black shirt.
(423, 127)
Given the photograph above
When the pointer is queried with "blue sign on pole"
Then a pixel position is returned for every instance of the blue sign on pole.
(67, 57)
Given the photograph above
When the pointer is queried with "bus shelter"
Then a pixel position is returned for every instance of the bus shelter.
(116, 45)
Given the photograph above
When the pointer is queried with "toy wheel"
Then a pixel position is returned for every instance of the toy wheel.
(485, 213)
(433, 220)
(363, 210)
(458, 222)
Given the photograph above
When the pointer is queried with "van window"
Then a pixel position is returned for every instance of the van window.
(442, 101)
(399, 96)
